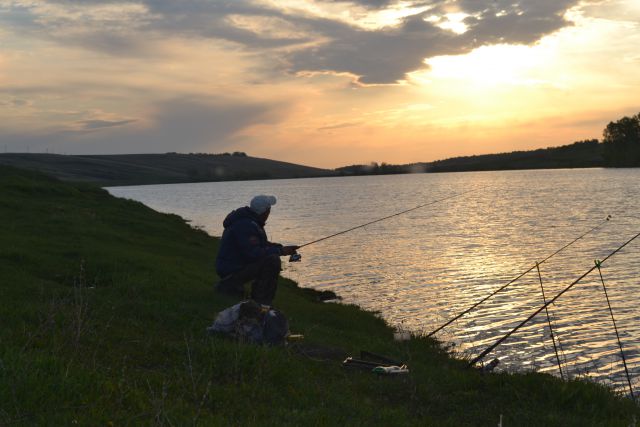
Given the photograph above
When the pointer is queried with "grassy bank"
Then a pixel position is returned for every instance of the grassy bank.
(104, 303)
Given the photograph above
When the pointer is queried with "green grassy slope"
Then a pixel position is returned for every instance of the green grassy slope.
(139, 169)
(103, 308)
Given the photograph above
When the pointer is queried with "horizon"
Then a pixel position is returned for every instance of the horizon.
(279, 160)
(319, 83)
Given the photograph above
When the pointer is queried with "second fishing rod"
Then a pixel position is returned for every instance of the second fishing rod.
(518, 277)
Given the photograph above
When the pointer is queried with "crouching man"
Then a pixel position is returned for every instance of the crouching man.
(246, 253)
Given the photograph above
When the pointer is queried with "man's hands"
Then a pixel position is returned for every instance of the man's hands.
(289, 250)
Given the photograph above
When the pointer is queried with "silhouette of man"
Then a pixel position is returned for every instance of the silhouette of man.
(246, 253)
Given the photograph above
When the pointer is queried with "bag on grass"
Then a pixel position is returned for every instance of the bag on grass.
(248, 321)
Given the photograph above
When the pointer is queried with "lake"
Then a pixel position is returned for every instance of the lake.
(421, 268)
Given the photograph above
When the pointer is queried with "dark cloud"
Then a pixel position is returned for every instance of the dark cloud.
(372, 4)
(127, 44)
(15, 102)
(504, 21)
(376, 56)
(339, 126)
(140, 35)
(383, 55)
(209, 19)
(179, 124)
(200, 123)
(532, 8)
(19, 102)
(25, 21)
(18, 16)
(386, 55)
(101, 124)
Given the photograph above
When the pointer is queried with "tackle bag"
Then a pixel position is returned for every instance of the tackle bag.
(250, 322)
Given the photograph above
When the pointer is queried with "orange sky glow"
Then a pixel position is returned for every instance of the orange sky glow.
(322, 83)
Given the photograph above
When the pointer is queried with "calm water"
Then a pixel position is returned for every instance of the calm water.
(422, 268)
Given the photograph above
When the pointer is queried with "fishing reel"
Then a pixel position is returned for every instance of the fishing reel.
(295, 257)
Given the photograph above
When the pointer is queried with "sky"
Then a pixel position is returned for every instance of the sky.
(322, 83)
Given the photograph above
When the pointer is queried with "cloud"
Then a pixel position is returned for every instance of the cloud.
(504, 21)
(16, 103)
(340, 126)
(387, 54)
(116, 44)
(101, 124)
(111, 28)
(311, 42)
(182, 124)
(200, 123)
(374, 4)
(375, 56)
(384, 55)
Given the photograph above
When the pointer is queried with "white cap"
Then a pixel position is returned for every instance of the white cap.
(260, 204)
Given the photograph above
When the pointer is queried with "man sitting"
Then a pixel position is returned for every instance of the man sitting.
(246, 253)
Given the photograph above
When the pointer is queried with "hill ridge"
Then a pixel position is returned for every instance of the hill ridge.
(168, 168)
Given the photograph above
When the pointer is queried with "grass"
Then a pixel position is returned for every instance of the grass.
(104, 304)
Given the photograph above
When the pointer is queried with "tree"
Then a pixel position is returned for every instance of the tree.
(622, 142)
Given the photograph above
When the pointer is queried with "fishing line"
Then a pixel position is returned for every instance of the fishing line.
(551, 301)
(518, 277)
(553, 338)
(562, 353)
(390, 216)
(615, 328)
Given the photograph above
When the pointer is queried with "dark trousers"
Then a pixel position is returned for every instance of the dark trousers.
(264, 274)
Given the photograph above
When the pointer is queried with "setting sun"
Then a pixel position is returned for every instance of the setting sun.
(490, 66)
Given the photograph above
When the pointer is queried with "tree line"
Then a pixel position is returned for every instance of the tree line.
(620, 147)
(621, 142)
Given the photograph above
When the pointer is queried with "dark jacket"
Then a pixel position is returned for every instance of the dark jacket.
(243, 241)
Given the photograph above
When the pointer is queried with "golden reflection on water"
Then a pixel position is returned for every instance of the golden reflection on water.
(420, 269)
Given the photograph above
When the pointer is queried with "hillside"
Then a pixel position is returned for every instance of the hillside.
(139, 169)
(104, 304)
(582, 154)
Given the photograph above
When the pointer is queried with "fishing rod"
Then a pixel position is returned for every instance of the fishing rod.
(390, 216)
(553, 338)
(549, 302)
(518, 277)
(615, 328)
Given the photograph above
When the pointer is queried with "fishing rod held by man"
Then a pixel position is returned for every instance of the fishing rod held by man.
(247, 255)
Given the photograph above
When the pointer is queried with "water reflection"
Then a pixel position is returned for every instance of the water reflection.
(420, 269)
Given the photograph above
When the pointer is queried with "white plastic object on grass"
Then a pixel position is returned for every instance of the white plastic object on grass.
(390, 370)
